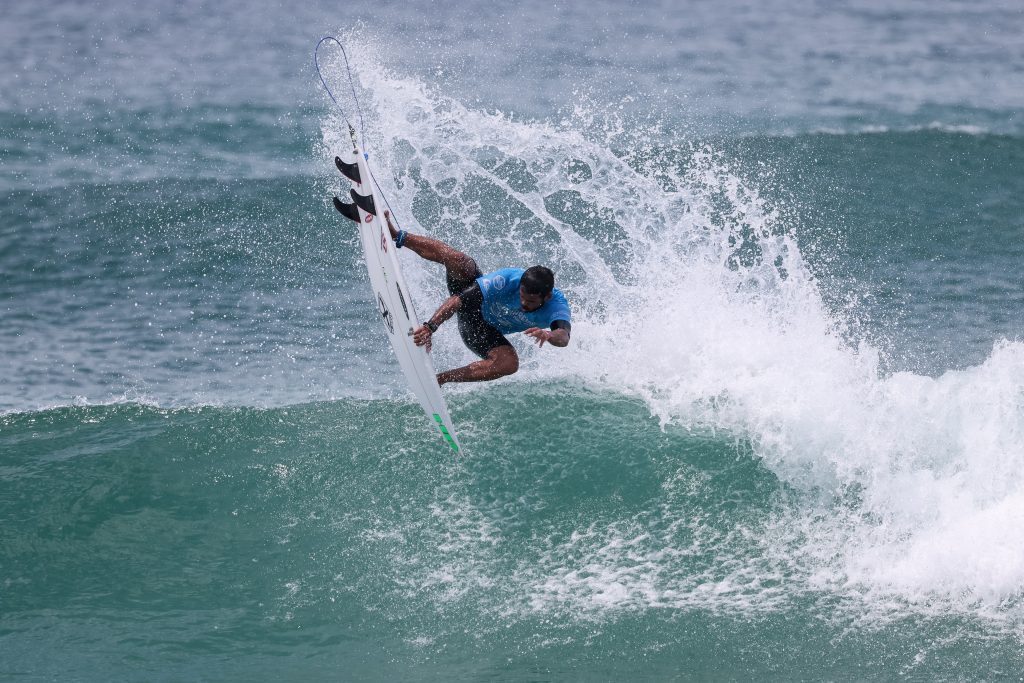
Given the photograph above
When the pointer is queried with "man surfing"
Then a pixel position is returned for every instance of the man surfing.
(489, 307)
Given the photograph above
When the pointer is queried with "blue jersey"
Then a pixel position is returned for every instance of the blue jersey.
(503, 309)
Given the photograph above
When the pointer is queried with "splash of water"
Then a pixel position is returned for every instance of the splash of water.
(691, 292)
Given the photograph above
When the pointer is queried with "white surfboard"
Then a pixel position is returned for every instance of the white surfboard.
(391, 295)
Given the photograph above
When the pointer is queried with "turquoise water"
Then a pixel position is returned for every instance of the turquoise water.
(784, 444)
(222, 543)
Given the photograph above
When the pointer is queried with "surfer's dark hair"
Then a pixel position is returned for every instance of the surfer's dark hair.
(537, 280)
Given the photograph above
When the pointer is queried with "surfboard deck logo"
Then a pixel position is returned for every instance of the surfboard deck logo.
(385, 313)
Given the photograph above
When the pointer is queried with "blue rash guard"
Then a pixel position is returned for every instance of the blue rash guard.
(503, 310)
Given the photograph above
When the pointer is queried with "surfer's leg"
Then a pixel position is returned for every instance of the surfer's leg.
(498, 356)
(500, 361)
(460, 267)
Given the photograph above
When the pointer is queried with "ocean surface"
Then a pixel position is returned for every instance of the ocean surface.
(785, 443)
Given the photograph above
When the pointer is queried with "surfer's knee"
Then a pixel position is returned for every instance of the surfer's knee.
(504, 361)
(460, 266)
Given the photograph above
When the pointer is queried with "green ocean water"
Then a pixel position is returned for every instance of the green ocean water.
(784, 443)
(234, 543)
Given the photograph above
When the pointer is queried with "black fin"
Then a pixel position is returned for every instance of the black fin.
(347, 210)
(350, 171)
(364, 202)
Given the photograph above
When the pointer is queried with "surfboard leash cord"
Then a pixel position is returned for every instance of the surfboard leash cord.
(351, 82)
(344, 114)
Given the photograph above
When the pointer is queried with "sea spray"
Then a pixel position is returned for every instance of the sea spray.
(690, 292)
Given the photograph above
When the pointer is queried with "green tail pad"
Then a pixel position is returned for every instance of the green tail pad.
(444, 432)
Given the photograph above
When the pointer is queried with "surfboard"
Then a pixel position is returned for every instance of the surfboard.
(390, 292)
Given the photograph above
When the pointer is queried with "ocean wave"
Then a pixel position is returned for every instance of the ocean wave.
(693, 295)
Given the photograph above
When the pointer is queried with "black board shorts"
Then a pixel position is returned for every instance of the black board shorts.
(478, 335)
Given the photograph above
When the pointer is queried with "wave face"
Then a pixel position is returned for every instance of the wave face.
(787, 439)
(301, 541)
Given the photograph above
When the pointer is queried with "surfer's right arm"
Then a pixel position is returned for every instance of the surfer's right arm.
(424, 332)
(471, 296)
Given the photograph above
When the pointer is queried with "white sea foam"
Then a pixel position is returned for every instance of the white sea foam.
(939, 126)
(700, 302)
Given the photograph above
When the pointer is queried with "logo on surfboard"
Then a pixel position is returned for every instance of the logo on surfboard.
(385, 314)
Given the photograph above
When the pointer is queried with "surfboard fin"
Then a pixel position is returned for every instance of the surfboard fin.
(364, 202)
(347, 210)
(350, 171)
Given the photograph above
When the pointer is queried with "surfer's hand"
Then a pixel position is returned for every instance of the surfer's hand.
(422, 336)
(539, 335)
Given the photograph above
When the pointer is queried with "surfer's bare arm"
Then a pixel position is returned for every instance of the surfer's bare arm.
(423, 333)
(558, 335)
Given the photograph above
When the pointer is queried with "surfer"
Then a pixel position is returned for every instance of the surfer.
(489, 307)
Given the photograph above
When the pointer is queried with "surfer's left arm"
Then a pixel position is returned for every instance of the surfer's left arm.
(558, 335)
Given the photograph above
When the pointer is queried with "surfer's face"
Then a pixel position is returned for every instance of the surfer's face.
(531, 302)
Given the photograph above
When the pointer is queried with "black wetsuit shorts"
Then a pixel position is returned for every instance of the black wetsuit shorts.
(478, 335)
